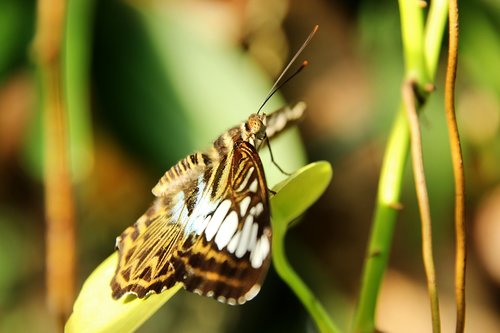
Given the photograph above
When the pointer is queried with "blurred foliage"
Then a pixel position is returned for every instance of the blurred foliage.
(16, 27)
(163, 79)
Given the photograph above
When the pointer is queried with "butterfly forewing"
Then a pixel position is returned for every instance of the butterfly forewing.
(229, 260)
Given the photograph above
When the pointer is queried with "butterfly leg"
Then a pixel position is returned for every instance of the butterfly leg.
(272, 158)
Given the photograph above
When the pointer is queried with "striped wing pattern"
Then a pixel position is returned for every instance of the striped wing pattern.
(209, 226)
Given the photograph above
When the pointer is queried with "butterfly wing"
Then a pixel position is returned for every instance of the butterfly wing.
(146, 249)
(230, 259)
(213, 234)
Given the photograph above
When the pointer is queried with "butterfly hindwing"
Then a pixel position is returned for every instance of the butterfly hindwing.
(146, 249)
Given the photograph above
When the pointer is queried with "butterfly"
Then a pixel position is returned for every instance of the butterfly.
(209, 225)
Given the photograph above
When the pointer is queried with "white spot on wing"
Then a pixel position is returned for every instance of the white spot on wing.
(217, 219)
(201, 225)
(259, 208)
(255, 256)
(260, 253)
(253, 237)
(253, 186)
(243, 241)
(244, 205)
(231, 247)
(245, 181)
(264, 246)
(252, 293)
(226, 230)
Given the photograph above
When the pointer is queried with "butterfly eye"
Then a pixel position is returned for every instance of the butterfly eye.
(256, 126)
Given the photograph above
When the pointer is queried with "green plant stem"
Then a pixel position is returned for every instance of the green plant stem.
(412, 31)
(434, 33)
(397, 151)
(287, 274)
(76, 62)
(383, 224)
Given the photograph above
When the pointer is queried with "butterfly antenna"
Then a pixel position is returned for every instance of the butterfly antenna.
(275, 89)
(275, 86)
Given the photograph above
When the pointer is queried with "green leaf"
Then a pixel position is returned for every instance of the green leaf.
(96, 311)
(299, 191)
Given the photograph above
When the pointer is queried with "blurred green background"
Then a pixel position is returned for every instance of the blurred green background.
(148, 82)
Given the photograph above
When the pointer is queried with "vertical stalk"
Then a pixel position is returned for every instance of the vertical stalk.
(59, 209)
(458, 171)
(384, 221)
(410, 101)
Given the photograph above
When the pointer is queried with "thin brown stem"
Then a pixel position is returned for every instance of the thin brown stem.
(59, 205)
(409, 99)
(458, 171)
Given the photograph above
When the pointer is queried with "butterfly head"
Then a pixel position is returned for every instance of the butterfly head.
(256, 126)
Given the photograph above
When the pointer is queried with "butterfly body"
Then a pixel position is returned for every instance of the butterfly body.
(209, 226)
